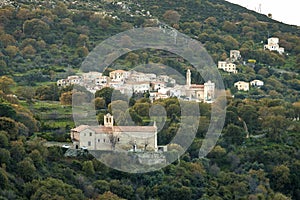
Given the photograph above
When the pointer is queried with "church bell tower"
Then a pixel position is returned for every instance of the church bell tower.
(108, 120)
(188, 78)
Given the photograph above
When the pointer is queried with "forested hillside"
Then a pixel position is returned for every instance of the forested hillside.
(257, 156)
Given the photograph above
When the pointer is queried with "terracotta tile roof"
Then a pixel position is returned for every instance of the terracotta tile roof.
(102, 129)
(109, 130)
(197, 86)
(137, 83)
(80, 128)
(118, 71)
(134, 128)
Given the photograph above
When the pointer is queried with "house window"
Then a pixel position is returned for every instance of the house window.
(118, 139)
(104, 140)
(98, 140)
(89, 143)
(91, 133)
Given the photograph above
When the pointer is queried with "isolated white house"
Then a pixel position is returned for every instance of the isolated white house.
(256, 83)
(273, 45)
(235, 55)
(242, 85)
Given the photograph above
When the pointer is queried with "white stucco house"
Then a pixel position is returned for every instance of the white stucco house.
(157, 85)
(70, 80)
(90, 76)
(118, 75)
(102, 81)
(242, 85)
(273, 45)
(166, 79)
(227, 66)
(138, 87)
(157, 95)
(235, 55)
(141, 77)
(116, 84)
(256, 83)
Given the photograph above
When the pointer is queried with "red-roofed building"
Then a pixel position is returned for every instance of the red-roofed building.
(109, 136)
(204, 93)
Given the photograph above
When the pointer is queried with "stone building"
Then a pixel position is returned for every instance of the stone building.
(204, 93)
(110, 137)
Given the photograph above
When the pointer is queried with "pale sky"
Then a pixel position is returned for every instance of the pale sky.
(286, 11)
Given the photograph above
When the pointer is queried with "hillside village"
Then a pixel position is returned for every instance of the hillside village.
(109, 137)
(163, 86)
(158, 87)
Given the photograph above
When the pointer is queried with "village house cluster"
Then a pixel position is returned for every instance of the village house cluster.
(163, 86)
(235, 55)
(158, 86)
(229, 65)
(245, 86)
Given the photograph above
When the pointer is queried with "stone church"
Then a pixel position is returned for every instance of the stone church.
(204, 93)
(111, 137)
